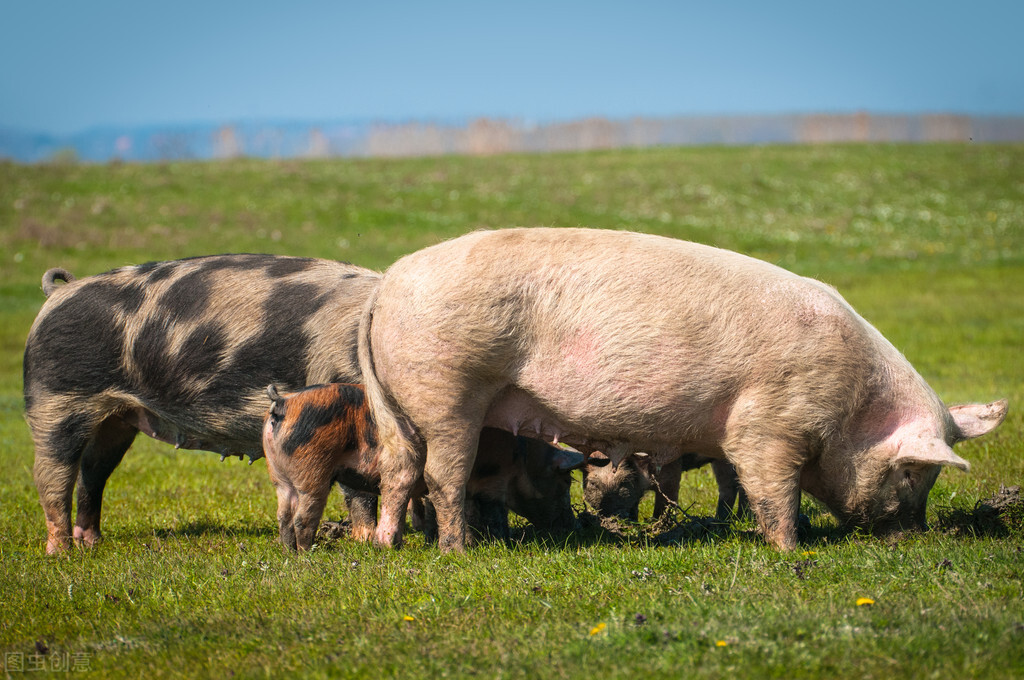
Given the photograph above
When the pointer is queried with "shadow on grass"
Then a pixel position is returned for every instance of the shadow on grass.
(207, 528)
(998, 516)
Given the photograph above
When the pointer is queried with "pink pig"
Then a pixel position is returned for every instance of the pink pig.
(625, 342)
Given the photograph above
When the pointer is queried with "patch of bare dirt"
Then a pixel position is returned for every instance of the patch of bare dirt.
(998, 515)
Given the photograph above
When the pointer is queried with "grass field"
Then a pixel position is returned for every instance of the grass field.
(927, 242)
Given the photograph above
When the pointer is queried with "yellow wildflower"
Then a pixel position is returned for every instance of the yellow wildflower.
(598, 628)
(861, 601)
(408, 618)
(721, 643)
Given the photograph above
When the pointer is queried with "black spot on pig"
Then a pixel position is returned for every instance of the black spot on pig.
(277, 355)
(370, 437)
(356, 481)
(294, 302)
(165, 376)
(288, 265)
(67, 441)
(313, 417)
(146, 267)
(84, 332)
(150, 351)
(212, 263)
(159, 271)
(126, 297)
(352, 395)
(188, 297)
(202, 352)
(132, 297)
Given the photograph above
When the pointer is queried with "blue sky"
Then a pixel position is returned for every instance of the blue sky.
(68, 66)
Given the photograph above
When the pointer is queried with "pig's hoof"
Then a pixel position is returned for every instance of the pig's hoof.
(387, 540)
(361, 533)
(87, 537)
(58, 546)
(452, 544)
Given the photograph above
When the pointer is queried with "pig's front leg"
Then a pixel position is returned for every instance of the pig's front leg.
(772, 485)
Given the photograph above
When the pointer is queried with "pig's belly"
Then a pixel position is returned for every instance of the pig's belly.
(612, 423)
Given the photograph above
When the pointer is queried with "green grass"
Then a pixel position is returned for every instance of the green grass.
(927, 242)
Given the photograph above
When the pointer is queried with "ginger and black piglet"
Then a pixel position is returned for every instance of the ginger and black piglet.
(323, 435)
(181, 351)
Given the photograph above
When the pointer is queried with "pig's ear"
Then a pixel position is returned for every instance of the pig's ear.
(929, 452)
(974, 420)
(565, 460)
(277, 409)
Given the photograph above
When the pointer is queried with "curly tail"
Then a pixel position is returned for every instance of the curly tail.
(394, 430)
(53, 275)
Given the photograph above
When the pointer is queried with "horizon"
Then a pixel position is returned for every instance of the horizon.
(116, 64)
(461, 121)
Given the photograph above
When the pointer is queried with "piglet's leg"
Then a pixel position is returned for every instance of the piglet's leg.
(362, 513)
(287, 503)
(309, 510)
(666, 491)
(728, 489)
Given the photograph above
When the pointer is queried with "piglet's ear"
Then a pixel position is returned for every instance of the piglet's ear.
(974, 420)
(565, 459)
(929, 452)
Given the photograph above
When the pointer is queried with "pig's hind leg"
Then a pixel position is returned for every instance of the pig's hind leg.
(62, 432)
(400, 474)
(308, 511)
(103, 453)
(287, 501)
(450, 458)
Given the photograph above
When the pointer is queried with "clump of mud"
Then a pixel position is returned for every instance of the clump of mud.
(612, 528)
(999, 515)
(332, 531)
(675, 526)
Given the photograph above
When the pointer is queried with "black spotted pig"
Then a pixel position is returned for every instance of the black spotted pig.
(181, 351)
(625, 342)
(616, 491)
(324, 434)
